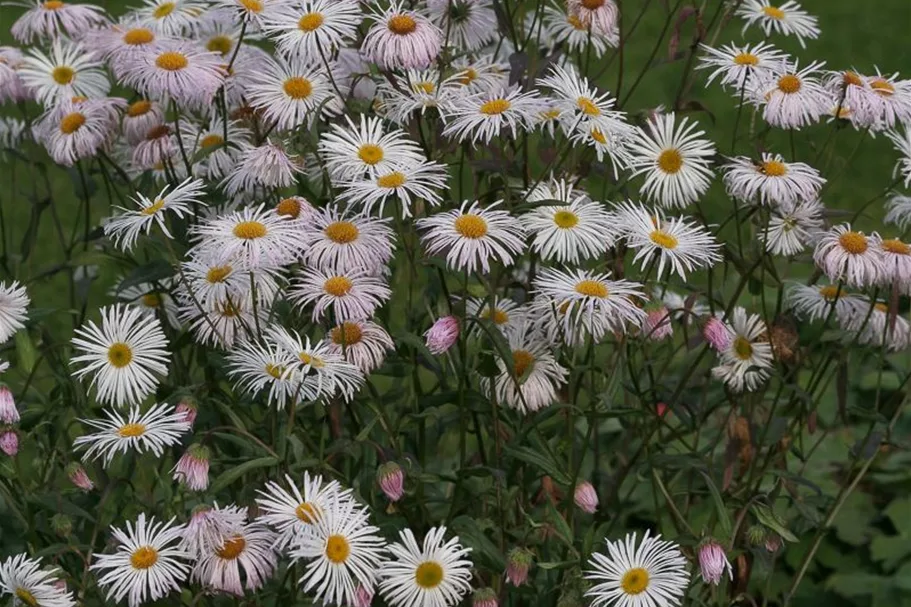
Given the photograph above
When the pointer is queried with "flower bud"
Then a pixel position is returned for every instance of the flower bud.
(391, 479)
(657, 325)
(9, 442)
(8, 412)
(363, 596)
(62, 525)
(79, 477)
(756, 535)
(772, 542)
(443, 333)
(484, 597)
(661, 409)
(713, 562)
(189, 408)
(193, 468)
(518, 562)
(585, 497)
(717, 333)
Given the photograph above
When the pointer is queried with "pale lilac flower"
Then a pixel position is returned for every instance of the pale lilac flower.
(402, 39)
(485, 597)
(442, 335)
(585, 497)
(713, 562)
(8, 412)
(193, 468)
(518, 562)
(189, 409)
(79, 477)
(657, 325)
(9, 442)
(391, 479)
(717, 333)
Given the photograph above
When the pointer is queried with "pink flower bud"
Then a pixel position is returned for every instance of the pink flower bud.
(391, 479)
(585, 497)
(717, 333)
(772, 542)
(518, 562)
(193, 468)
(8, 412)
(9, 442)
(485, 597)
(661, 409)
(442, 334)
(188, 407)
(657, 325)
(713, 562)
(363, 596)
(79, 477)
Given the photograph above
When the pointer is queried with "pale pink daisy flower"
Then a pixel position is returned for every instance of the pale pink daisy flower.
(366, 148)
(816, 302)
(896, 261)
(362, 343)
(159, 146)
(14, 302)
(11, 86)
(745, 363)
(468, 25)
(852, 92)
(849, 255)
(568, 29)
(139, 118)
(899, 211)
(267, 368)
(600, 15)
(735, 66)
(399, 97)
(895, 95)
(771, 180)
(253, 12)
(790, 97)
(291, 92)
(223, 323)
(121, 42)
(244, 559)
(336, 240)
(442, 334)
(266, 166)
(352, 295)
(406, 183)
(176, 70)
(68, 71)
(208, 528)
(218, 154)
(402, 38)
(787, 18)
(53, 19)
(874, 324)
(483, 116)
(171, 17)
(713, 563)
(304, 28)
(902, 142)
(435, 574)
(792, 229)
(72, 132)
(155, 430)
(126, 227)
(193, 468)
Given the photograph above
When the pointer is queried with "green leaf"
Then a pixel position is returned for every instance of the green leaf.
(26, 351)
(229, 476)
(420, 347)
(236, 421)
(541, 461)
(484, 550)
(155, 270)
(767, 517)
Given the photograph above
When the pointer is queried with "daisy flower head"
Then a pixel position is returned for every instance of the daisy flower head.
(211, 278)
(852, 93)
(468, 25)
(568, 29)
(898, 211)
(139, 118)
(675, 160)
(771, 180)
(436, 574)
(788, 19)
(218, 156)
(600, 15)
(746, 361)
(126, 227)
(735, 66)
(483, 116)
(290, 92)
(340, 241)
(422, 90)
(895, 95)
(351, 295)
(582, 105)
(401, 38)
(480, 74)
(503, 312)
(148, 563)
(252, 12)
(31, 584)
(14, 303)
(343, 552)
(849, 255)
(406, 183)
(123, 355)
(306, 27)
(791, 97)
(67, 71)
(366, 149)
(473, 236)
(896, 261)
(265, 367)
(323, 371)
(266, 166)
(814, 302)
(253, 236)
(118, 43)
(159, 427)
(902, 142)
(792, 229)
(150, 297)
(873, 324)
(224, 322)
(176, 70)
(171, 17)
(209, 526)
(53, 19)
(244, 559)
(637, 574)
(678, 243)
(11, 86)
(362, 343)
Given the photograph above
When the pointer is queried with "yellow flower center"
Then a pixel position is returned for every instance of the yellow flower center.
(663, 239)
(250, 230)
(342, 232)
(289, 207)
(746, 59)
(120, 354)
(598, 136)
(307, 513)
(139, 108)
(670, 161)
(592, 288)
(522, 360)
(151, 300)
(24, 595)
(743, 348)
(882, 87)
(63, 74)
(274, 371)
(550, 114)
(789, 84)
(423, 87)
(428, 575)
(566, 219)
(71, 123)
(894, 245)
(494, 107)
(228, 310)
(634, 581)
(253, 6)
(497, 315)
(881, 307)
(370, 153)
(163, 10)
(171, 61)
(588, 106)
(138, 36)
(337, 286)
(392, 180)
(470, 226)
(575, 22)
(232, 548)
(773, 168)
(158, 131)
(210, 141)
(852, 78)
(402, 25)
(310, 22)
(830, 291)
(53, 5)
(143, 557)
(313, 361)
(131, 430)
(348, 333)
(773, 12)
(220, 44)
(592, 4)
(337, 549)
(854, 243)
(218, 274)
(297, 87)
(153, 208)
(467, 76)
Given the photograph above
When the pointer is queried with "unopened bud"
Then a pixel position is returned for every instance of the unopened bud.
(391, 479)
(442, 334)
(585, 497)
(79, 477)
(518, 562)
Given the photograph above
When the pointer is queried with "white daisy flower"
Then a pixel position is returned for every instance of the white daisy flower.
(791, 97)
(873, 324)
(119, 43)
(352, 295)
(325, 372)
(14, 303)
(468, 25)
(140, 117)
(361, 342)
(529, 382)
(503, 312)
(675, 161)
(218, 155)
(343, 552)
(254, 237)
(364, 149)
(159, 427)
(333, 240)
(569, 30)
(600, 15)
(291, 92)
(746, 361)
(171, 17)
(896, 260)
(436, 574)
(253, 12)
(150, 297)
(771, 181)
(787, 19)
(401, 96)
(568, 233)
(682, 245)
(845, 254)
(407, 183)
(243, 559)
(123, 355)
(75, 131)
(208, 528)
(308, 26)
(224, 322)
(177, 70)
(895, 95)
(480, 74)
(852, 93)
(652, 573)
(483, 116)
(54, 19)
(902, 143)
(685, 309)
(899, 211)
(68, 71)
(792, 229)
(734, 65)
(126, 227)
(148, 564)
(264, 167)
(259, 367)
(30, 584)
(401, 38)
(814, 302)
(212, 278)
